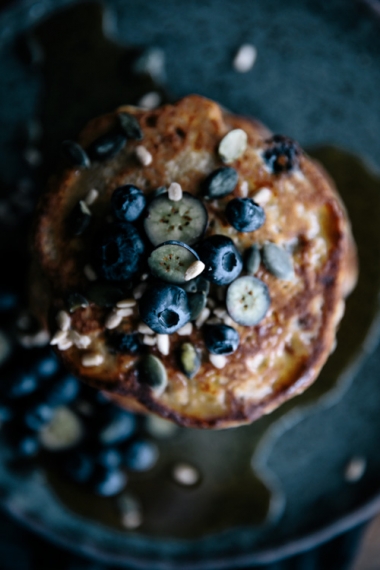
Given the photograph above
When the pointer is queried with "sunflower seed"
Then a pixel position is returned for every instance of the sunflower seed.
(144, 329)
(139, 291)
(143, 155)
(163, 344)
(263, 196)
(233, 145)
(113, 320)
(63, 320)
(127, 312)
(149, 340)
(80, 341)
(65, 344)
(92, 195)
(218, 360)
(58, 337)
(95, 359)
(187, 329)
(175, 192)
(126, 303)
(194, 270)
(355, 469)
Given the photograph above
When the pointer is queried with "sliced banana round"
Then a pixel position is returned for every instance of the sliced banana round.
(65, 430)
(170, 261)
(247, 300)
(184, 220)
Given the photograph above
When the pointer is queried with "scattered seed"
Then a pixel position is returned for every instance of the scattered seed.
(205, 313)
(189, 358)
(245, 58)
(194, 270)
(355, 469)
(175, 192)
(163, 344)
(65, 344)
(233, 145)
(151, 62)
(139, 291)
(263, 196)
(92, 195)
(63, 320)
(144, 329)
(94, 359)
(39, 338)
(58, 337)
(107, 146)
(75, 154)
(153, 373)
(83, 206)
(252, 259)
(220, 182)
(244, 189)
(143, 155)
(228, 321)
(220, 312)
(185, 474)
(218, 360)
(130, 126)
(80, 341)
(278, 261)
(127, 312)
(113, 320)
(150, 100)
(149, 340)
(187, 329)
(89, 273)
(126, 303)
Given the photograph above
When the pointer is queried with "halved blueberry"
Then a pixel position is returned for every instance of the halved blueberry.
(221, 339)
(247, 300)
(220, 182)
(222, 260)
(128, 203)
(245, 215)
(118, 252)
(141, 455)
(165, 309)
(184, 220)
(107, 146)
(282, 154)
(170, 261)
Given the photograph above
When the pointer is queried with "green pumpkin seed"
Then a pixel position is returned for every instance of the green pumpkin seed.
(278, 261)
(130, 126)
(197, 302)
(153, 373)
(190, 361)
(252, 259)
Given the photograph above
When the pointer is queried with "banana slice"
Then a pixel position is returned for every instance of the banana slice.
(247, 300)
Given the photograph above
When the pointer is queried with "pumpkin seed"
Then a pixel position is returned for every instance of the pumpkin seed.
(190, 361)
(130, 126)
(252, 259)
(278, 261)
(197, 302)
(107, 146)
(220, 182)
(75, 154)
(153, 373)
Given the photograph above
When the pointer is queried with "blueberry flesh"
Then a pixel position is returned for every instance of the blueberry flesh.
(165, 309)
(128, 203)
(125, 343)
(141, 455)
(221, 339)
(245, 215)
(282, 154)
(108, 482)
(118, 253)
(107, 146)
(222, 260)
(221, 182)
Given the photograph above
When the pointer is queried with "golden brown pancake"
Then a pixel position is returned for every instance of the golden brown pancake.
(276, 359)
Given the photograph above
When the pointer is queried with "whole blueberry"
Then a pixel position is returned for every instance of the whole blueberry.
(128, 203)
(109, 457)
(222, 260)
(63, 391)
(126, 343)
(38, 415)
(221, 339)
(119, 425)
(282, 154)
(21, 383)
(26, 445)
(47, 365)
(245, 215)
(165, 309)
(79, 466)
(118, 252)
(141, 455)
(108, 482)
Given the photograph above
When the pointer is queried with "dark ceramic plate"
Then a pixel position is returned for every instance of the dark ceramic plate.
(276, 487)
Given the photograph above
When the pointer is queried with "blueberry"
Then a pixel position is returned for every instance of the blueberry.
(74, 154)
(126, 343)
(220, 182)
(130, 125)
(108, 482)
(6, 413)
(222, 259)
(38, 415)
(118, 426)
(245, 215)
(47, 366)
(165, 309)
(110, 457)
(282, 154)
(107, 146)
(63, 391)
(221, 339)
(26, 445)
(118, 252)
(79, 466)
(128, 203)
(21, 383)
(141, 455)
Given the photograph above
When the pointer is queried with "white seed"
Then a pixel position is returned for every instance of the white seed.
(150, 100)
(124, 312)
(163, 344)
(355, 469)
(94, 359)
(126, 303)
(143, 155)
(175, 192)
(214, 321)
(144, 276)
(187, 329)
(220, 312)
(149, 340)
(144, 329)
(80, 341)
(139, 291)
(263, 196)
(113, 320)
(65, 344)
(211, 303)
(204, 315)
(89, 273)
(40, 338)
(84, 208)
(92, 195)
(194, 270)
(233, 145)
(58, 337)
(228, 321)
(63, 320)
(244, 189)
(185, 474)
(218, 360)
(245, 58)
